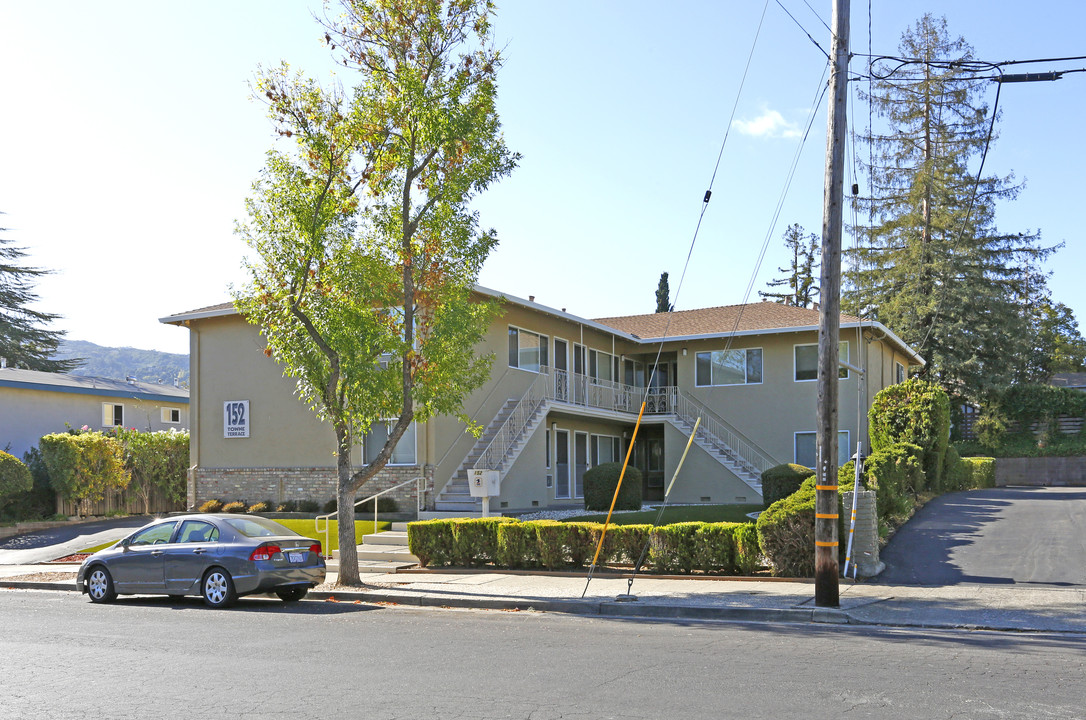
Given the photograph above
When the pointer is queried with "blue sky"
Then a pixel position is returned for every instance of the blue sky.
(130, 143)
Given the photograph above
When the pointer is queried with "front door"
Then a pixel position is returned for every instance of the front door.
(561, 371)
(650, 461)
(580, 458)
(561, 464)
(579, 379)
(657, 398)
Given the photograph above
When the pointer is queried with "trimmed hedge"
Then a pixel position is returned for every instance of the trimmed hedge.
(476, 540)
(780, 481)
(600, 483)
(728, 548)
(983, 471)
(433, 542)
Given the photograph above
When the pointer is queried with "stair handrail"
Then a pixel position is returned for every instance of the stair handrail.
(719, 429)
(522, 414)
(418, 508)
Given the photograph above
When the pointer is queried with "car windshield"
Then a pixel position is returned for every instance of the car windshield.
(258, 527)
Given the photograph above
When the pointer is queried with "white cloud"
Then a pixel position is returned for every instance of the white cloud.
(770, 124)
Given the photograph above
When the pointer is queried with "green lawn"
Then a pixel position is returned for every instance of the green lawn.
(303, 527)
(677, 513)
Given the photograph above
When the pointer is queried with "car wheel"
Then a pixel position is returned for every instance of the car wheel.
(218, 588)
(292, 594)
(100, 585)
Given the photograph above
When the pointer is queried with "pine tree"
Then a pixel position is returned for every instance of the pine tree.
(801, 279)
(663, 294)
(24, 342)
(931, 264)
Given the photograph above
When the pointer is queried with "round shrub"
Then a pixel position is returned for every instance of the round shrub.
(261, 507)
(211, 506)
(331, 506)
(288, 506)
(786, 532)
(600, 483)
(308, 506)
(15, 478)
(238, 506)
(780, 481)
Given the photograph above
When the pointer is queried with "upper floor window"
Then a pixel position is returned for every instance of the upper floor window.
(171, 415)
(374, 441)
(728, 367)
(806, 365)
(527, 350)
(899, 372)
(112, 415)
(602, 366)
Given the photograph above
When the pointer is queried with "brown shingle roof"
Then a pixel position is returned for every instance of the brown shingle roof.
(718, 320)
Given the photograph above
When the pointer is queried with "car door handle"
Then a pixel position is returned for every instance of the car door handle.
(199, 551)
(156, 553)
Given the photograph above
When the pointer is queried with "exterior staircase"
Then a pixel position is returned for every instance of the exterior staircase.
(456, 497)
(719, 450)
(384, 552)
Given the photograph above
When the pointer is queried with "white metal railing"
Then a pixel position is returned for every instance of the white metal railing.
(418, 508)
(514, 426)
(745, 451)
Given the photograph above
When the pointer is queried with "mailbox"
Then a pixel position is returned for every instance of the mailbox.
(484, 483)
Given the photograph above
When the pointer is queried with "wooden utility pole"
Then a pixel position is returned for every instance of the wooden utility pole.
(827, 590)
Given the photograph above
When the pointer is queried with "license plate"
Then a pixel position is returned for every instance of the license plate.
(296, 557)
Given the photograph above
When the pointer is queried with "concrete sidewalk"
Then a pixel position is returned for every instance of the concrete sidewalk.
(989, 607)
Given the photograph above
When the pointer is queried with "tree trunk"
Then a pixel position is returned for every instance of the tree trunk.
(348, 551)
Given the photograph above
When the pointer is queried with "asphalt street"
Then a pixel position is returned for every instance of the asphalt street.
(1000, 536)
(149, 657)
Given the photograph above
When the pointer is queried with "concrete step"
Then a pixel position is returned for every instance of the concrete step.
(386, 553)
(374, 566)
(473, 508)
(450, 514)
(388, 537)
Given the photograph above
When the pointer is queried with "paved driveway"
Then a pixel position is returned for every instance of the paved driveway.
(1014, 535)
(46, 545)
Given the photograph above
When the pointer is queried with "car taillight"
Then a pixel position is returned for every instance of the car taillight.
(264, 552)
(315, 548)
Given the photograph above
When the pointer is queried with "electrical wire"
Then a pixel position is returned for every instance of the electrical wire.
(800, 26)
(682, 276)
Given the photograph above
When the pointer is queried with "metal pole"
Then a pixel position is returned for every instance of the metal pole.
(827, 586)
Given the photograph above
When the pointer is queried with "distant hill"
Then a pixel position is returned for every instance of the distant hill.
(120, 363)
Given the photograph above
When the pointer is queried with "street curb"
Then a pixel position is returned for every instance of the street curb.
(615, 609)
(600, 608)
(31, 585)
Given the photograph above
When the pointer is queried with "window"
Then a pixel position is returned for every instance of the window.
(899, 372)
(112, 415)
(527, 350)
(602, 367)
(807, 361)
(171, 415)
(728, 367)
(375, 439)
(605, 449)
(154, 535)
(806, 454)
(196, 531)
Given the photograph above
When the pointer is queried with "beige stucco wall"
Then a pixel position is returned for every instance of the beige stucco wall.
(27, 414)
(228, 363)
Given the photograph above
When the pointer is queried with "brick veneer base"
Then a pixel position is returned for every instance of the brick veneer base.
(310, 483)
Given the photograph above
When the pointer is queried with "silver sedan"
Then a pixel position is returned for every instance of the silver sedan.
(218, 556)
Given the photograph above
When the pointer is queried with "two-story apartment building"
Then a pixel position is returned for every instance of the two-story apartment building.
(563, 396)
